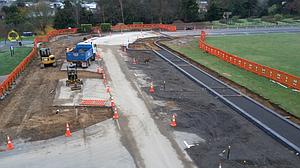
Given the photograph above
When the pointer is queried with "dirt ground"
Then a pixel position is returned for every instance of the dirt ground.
(27, 113)
(145, 44)
(201, 113)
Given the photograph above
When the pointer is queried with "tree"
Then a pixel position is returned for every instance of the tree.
(14, 15)
(64, 18)
(40, 16)
(86, 17)
(214, 12)
(189, 10)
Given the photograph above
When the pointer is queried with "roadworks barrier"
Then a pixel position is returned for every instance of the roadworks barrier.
(281, 77)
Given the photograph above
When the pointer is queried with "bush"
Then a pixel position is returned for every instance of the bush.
(85, 28)
(105, 27)
(250, 19)
(137, 22)
(235, 18)
(278, 17)
(268, 19)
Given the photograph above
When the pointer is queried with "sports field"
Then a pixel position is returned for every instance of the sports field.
(279, 51)
(8, 63)
(262, 52)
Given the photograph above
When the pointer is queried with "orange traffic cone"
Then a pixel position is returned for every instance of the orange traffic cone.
(151, 90)
(68, 132)
(10, 145)
(173, 121)
(134, 61)
(104, 78)
(107, 89)
(116, 115)
(112, 103)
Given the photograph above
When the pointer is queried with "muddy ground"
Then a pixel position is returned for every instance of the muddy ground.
(201, 113)
(27, 113)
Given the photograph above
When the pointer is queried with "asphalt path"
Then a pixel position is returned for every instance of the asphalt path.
(235, 31)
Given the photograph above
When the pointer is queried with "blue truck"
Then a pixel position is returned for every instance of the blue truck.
(82, 54)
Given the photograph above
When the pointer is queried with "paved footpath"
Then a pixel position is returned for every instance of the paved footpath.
(154, 148)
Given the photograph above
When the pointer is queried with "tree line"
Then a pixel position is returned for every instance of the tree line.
(40, 16)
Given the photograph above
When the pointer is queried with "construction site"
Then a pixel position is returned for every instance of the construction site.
(130, 106)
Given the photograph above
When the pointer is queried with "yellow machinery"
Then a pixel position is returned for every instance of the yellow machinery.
(73, 81)
(46, 57)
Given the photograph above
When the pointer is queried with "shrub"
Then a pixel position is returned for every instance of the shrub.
(235, 19)
(137, 22)
(85, 28)
(268, 19)
(105, 27)
(278, 17)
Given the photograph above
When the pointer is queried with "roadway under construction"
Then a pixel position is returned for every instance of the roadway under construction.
(210, 115)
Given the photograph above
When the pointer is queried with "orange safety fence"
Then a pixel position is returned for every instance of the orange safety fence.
(11, 78)
(284, 78)
(144, 27)
(94, 102)
(53, 33)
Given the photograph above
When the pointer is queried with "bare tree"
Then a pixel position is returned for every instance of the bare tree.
(40, 15)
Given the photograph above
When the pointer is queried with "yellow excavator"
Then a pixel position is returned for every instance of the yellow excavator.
(46, 57)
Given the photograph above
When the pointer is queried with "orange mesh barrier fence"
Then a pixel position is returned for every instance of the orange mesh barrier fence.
(91, 102)
(144, 27)
(286, 79)
(11, 78)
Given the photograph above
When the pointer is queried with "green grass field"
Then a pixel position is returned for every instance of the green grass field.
(285, 98)
(8, 63)
(279, 51)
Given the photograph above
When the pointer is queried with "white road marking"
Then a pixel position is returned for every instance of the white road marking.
(187, 145)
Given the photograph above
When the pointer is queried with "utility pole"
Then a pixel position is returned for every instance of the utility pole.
(77, 11)
(121, 5)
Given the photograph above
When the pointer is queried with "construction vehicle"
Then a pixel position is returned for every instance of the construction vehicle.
(73, 79)
(82, 54)
(46, 57)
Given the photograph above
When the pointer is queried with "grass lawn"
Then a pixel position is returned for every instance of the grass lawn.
(279, 51)
(254, 23)
(8, 63)
(27, 38)
(285, 98)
